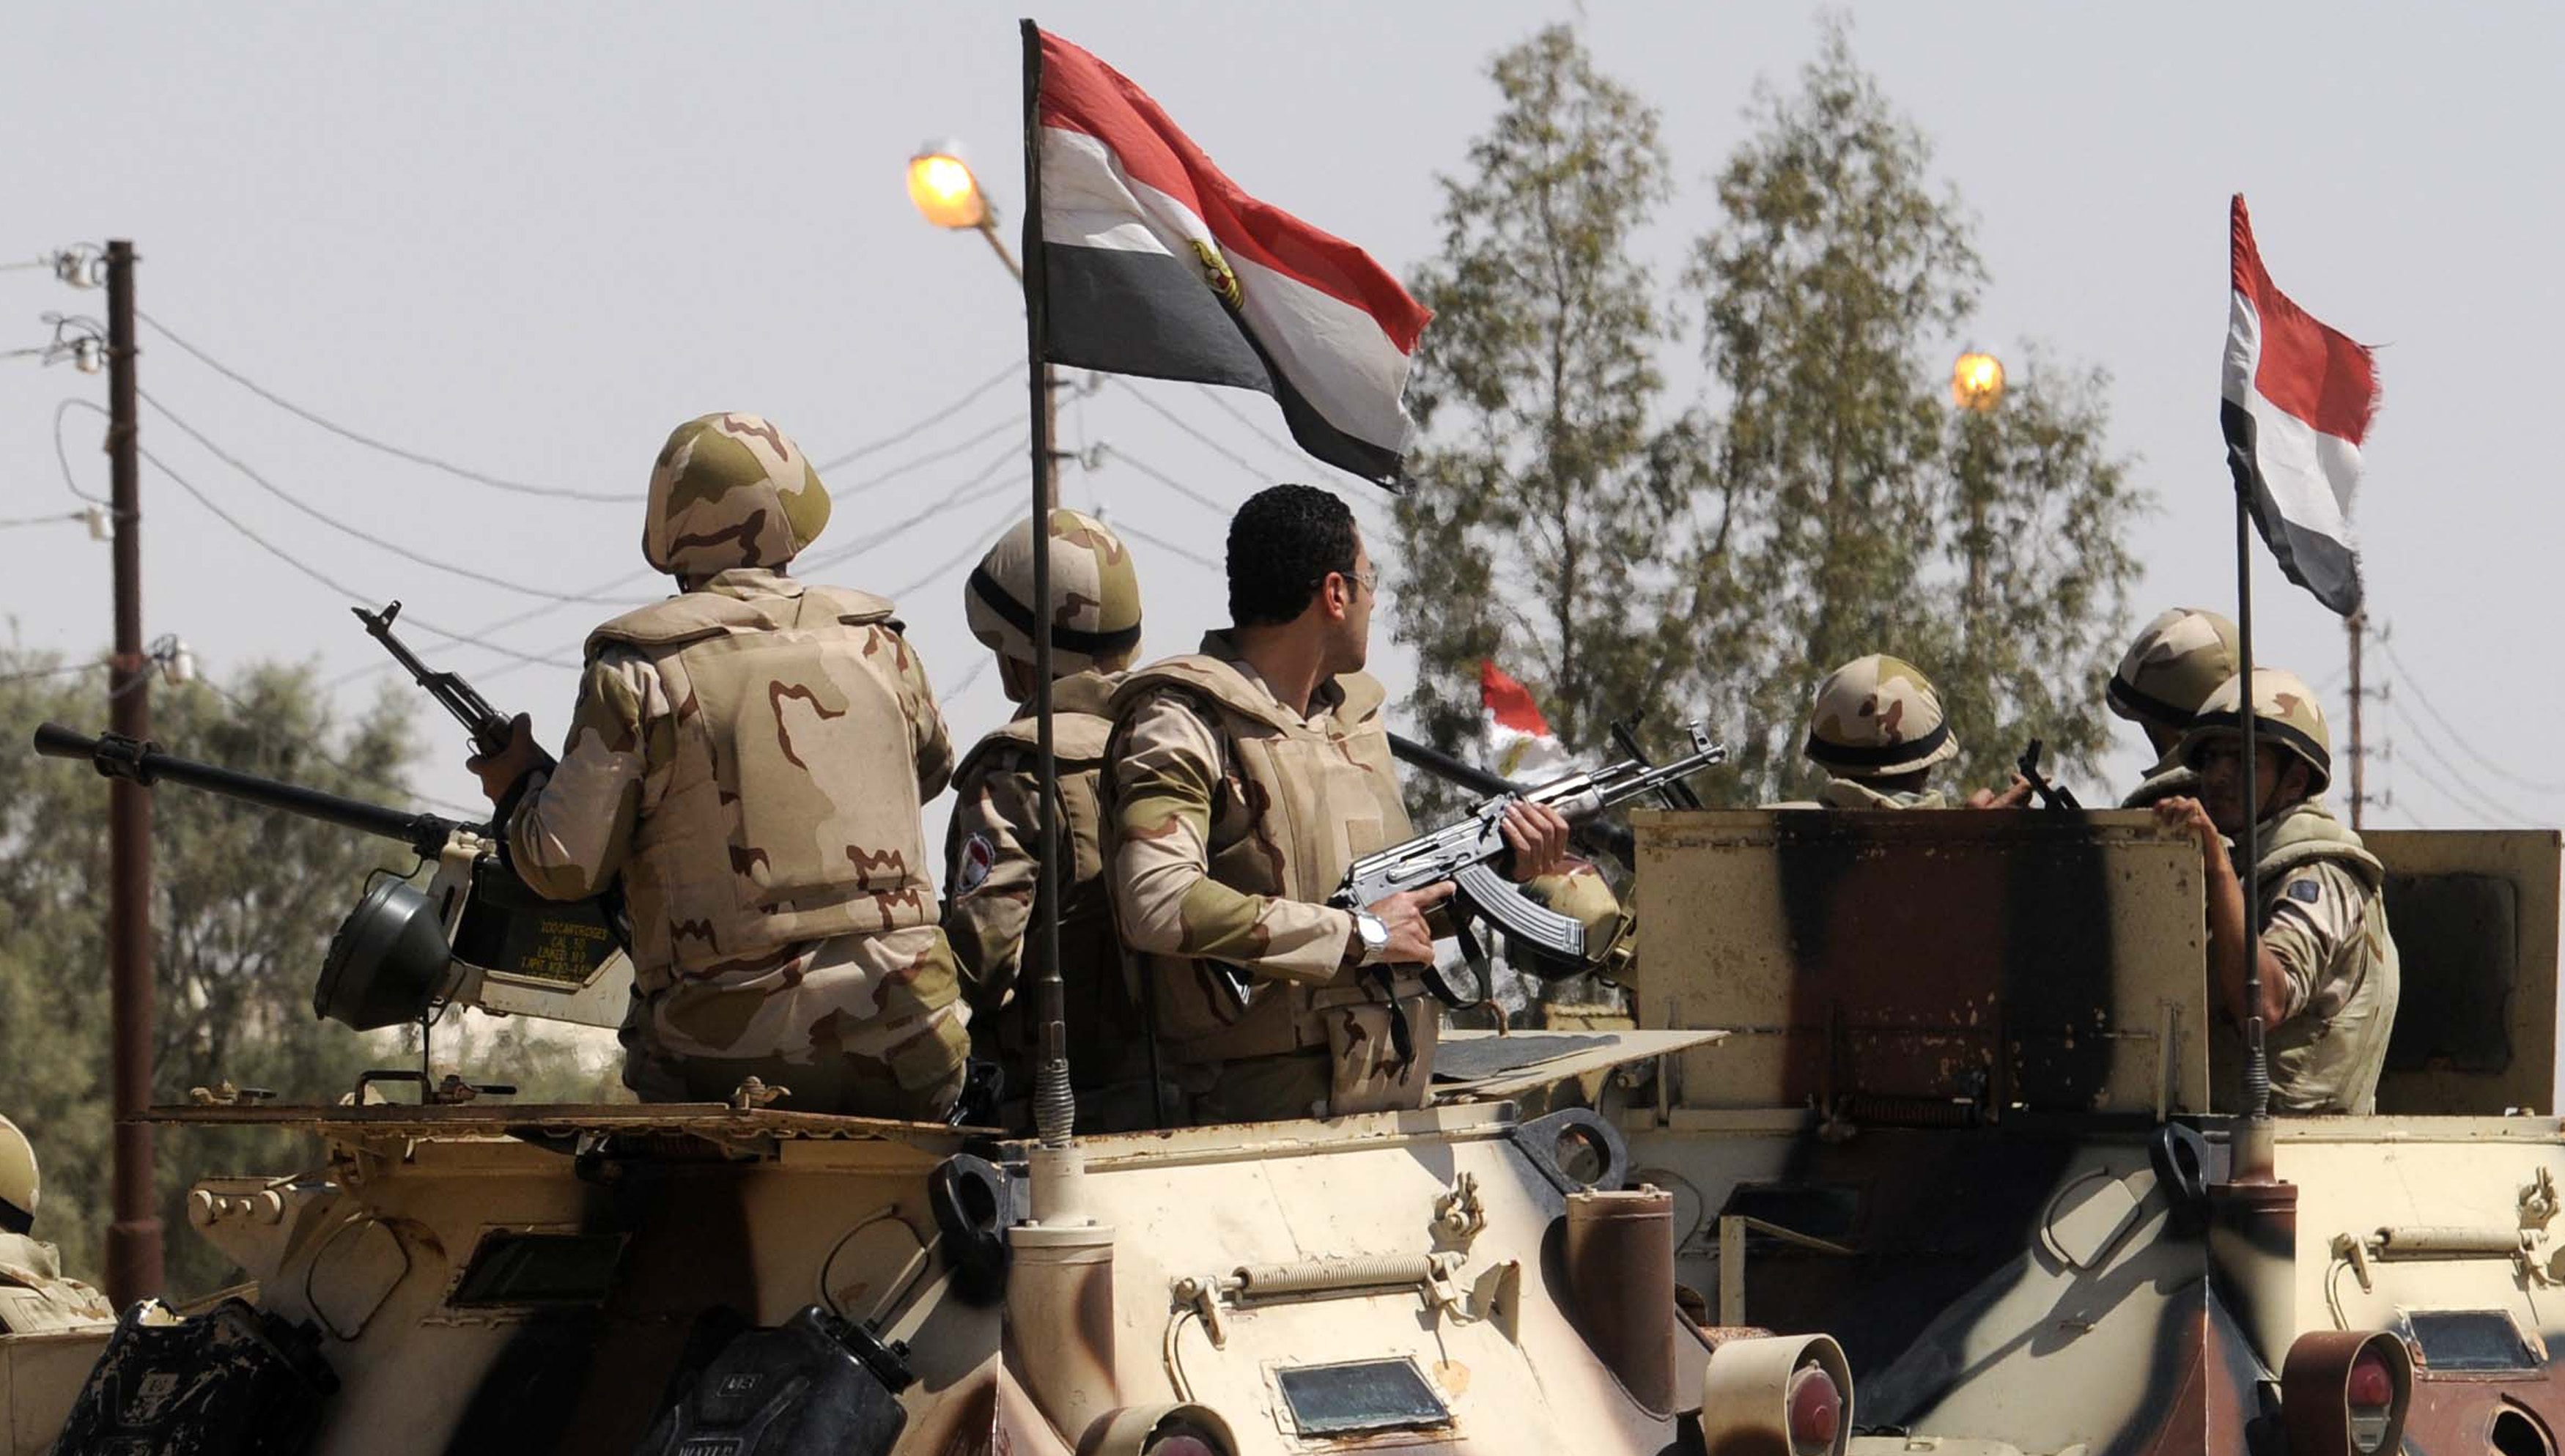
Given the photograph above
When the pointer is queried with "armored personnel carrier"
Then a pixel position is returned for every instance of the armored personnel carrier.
(463, 1274)
(1966, 1113)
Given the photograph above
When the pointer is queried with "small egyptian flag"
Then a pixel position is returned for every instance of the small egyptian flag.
(2299, 399)
(1157, 264)
(1513, 737)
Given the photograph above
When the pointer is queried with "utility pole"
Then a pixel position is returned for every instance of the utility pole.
(133, 1239)
(2356, 625)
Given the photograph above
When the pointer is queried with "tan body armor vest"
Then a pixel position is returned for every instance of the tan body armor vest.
(1296, 803)
(1103, 1027)
(790, 811)
(2332, 1064)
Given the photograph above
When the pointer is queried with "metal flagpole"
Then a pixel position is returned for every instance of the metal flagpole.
(2251, 1155)
(1054, 1104)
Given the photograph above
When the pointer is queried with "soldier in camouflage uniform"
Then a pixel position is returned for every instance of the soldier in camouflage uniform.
(988, 863)
(33, 1295)
(749, 758)
(1239, 783)
(2180, 658)
(2330, 977)
(1877, 730)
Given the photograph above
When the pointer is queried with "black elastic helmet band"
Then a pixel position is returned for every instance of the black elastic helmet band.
(1839, 756)
(1020, 617)
(2293, 738)
(2145, 705)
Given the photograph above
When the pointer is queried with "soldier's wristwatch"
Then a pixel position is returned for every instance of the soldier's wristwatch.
(1373, 933)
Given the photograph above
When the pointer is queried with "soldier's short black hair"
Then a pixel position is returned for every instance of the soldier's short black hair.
(1281, 545)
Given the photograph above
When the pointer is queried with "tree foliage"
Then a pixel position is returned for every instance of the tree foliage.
(244, 903)
(1618, 555)
(1533, 532)
(1858, 512)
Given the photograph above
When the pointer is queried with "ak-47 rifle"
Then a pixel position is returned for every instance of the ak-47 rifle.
(490, 728)
(1467, 850)
(2051, 796)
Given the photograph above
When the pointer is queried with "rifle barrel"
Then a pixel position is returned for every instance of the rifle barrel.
(1451, 770)
(1608, 835)
(115, 756)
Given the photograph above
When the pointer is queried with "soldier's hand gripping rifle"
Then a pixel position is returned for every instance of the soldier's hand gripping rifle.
(476, 935)
(491, 730)
(1470, 851)
(2050, 796)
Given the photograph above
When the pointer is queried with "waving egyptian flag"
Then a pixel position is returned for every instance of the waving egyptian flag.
(2298, 397)
(1155, 263)
(1515, 740)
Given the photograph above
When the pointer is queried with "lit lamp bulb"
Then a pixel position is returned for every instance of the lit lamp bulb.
(940, 184)
(1977, 382)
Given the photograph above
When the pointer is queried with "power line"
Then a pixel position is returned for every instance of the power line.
(2468, 797)
(1180, 423)
(1220, 403)
(1169, 481)
(62, 457)
(950, 501)
(1362, 500)
(485, 578)
(264, 729)
(967, 679)
(56, 518)
(65, 671)
(1169, 547)
(1005, 372)
(932, 458)
(2425, 698)
(936, 571)
(519, 487)
(314, 573)
(415, 457)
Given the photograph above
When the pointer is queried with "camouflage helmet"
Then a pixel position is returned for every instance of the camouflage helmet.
(2284, 709)
(1095, 622)
(19, 1185)
(729, 490)
(1875, 716)
(2171, 669)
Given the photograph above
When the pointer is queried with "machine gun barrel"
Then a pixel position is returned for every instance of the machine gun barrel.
(115, 756)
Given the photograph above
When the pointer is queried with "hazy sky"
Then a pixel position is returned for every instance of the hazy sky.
(532, 238)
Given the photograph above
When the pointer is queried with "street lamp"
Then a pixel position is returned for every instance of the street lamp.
(946, 192)
(1977, 382)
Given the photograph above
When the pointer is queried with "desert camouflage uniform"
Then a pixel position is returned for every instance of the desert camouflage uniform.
(990, 864)
(2175, 663)
(990, 867)
(749, 757)
(35, 1296)
(1230, 819)
(2324, 918)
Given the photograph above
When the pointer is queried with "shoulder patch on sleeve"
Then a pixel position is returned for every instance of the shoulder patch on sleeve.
(2305, 890)
(979, 857)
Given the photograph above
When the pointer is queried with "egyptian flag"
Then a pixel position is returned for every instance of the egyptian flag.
(1155, 263)
(1514, 738)
(2298, 399)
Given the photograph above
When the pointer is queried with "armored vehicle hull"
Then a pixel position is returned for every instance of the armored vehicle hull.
(493, 1278)
(1969, 1119)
